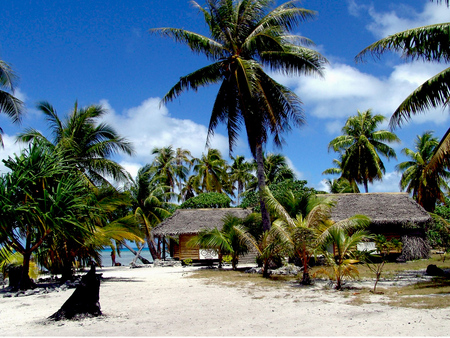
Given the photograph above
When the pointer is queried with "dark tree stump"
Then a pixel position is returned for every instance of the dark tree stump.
(84, 301)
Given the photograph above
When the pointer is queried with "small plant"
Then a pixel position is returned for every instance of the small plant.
(341, 261)
(187, 262)
(376, 262)
(227, 259)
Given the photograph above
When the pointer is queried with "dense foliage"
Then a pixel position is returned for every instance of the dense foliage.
(297, 187)
(207, 200)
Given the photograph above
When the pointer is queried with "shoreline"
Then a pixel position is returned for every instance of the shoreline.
(161, 301)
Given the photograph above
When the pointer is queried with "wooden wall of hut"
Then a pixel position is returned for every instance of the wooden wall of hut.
(185, 251)
(174, 249)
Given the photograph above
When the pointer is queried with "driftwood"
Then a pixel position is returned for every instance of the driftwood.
(84, 302)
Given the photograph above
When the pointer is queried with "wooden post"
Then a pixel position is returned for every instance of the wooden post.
(164, 247)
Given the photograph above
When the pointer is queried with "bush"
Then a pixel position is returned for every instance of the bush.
(207, 200)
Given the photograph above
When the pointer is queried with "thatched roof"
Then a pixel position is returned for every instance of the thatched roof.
(383, 208)
(191, 221)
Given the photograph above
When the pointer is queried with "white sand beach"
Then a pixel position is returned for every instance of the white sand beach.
(161, 301)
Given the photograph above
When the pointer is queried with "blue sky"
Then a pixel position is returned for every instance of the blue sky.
(100, 52)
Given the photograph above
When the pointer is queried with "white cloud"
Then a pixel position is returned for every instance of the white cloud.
(20, 95)
(322, 186)
(298, 174)
(149, 125)
(346, 89)
(390, 183)
(401, 17)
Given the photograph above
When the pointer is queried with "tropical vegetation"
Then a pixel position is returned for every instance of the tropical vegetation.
(361, 145)
(246, 36)
(426, 184)
(9, 104)
(429, 44)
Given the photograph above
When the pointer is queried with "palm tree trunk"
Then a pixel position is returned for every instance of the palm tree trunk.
(261, 187)
(143, 260)
(265, 271)
(306, 280)
(25, 281)
(366, 186)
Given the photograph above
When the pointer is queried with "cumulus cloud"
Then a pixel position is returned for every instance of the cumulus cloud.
(345, 89)
(390, 183)
(401, 17)
(149, 125)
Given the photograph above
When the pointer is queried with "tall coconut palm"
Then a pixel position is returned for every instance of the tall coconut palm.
(361, 145)
(164, 166)
(9, 104)
(426, 185)
(150, 204)
(245, 36)
(183, 162)
(240, 174)
(82, 138)
(170, 166)
(342, 184)
(190, 188)
(211, 172)
(430, 44)
(277, 169)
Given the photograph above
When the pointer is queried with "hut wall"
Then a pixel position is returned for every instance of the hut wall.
(174, 249)
(186, 252)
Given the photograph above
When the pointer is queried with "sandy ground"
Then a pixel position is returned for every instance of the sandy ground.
(161, 301)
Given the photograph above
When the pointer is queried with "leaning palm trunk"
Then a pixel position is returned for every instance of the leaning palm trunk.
(143, 260)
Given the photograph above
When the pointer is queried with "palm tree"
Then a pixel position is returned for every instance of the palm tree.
(170, 166)
(342, 184)
(431, 44)
(417, 178)
(301, 218)
(183, 162)
(211, 170)
(81, 138)
(150, 204)
(42, 197)
(361, 145)
(240, 174)
(9, 104)
(245, 37)
(190, 188)
(342, 260)
(277, 169)
(164, 166)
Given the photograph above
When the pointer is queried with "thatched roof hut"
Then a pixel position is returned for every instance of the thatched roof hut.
(394, 215)
(186, 223)
(191, 221)
(384, 209)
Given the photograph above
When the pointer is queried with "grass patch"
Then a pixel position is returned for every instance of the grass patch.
(431, 294)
